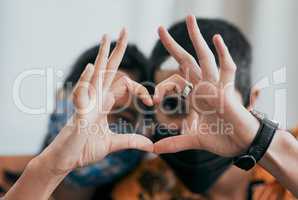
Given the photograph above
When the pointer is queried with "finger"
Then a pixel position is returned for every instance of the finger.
(187, 63)
(101, 62)
(173, 47)
(138, 90)
(115, 58)
(82, 87)
(85, 77)
(130, 141)
(227, 65)
(124, 87)
(83, 91)
(175, 144)
(174, 83)
(205, 55)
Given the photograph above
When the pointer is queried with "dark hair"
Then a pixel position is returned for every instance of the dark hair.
(238, 45)
(133, 60)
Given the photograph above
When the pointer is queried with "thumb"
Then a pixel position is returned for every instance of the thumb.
(186, 141)
(130, 141)
(177, 143)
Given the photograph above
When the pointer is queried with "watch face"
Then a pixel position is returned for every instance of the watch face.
(246, 162)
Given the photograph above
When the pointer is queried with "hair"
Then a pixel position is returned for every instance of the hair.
(133, 60)
(236, 42)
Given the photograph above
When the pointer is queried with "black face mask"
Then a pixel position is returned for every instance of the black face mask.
(197, 169)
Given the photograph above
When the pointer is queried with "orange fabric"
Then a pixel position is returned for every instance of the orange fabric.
(271, 189)
(159, 183)
(131, 189)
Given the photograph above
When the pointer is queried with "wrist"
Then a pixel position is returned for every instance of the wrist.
(44, 165)
(260, 144)
(248, 129)
(275, 153)
(245, 125)
(36, 182)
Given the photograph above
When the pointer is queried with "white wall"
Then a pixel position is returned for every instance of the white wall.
(38, 34)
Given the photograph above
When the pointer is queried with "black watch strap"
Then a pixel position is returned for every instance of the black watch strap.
(260, 143)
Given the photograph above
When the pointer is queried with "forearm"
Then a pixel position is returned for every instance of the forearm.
(281, 160)
(36, 182)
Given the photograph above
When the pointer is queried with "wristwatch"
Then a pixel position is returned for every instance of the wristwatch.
(260, 143)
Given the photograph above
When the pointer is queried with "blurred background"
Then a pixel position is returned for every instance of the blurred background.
(48, 35)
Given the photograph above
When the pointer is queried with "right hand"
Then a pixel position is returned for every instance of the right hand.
(87, 138)
(213, 99)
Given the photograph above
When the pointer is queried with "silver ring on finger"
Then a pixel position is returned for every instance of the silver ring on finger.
(187, 90)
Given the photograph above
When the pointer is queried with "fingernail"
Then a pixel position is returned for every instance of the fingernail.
(89, 67)
(219, 37)
(161, 28)
(189, 16)
(104, 38)
(149, 100)
(155, 99)
(122, 33)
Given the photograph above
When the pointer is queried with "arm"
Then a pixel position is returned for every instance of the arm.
(36, 182)
(281, 160)
(86, 138)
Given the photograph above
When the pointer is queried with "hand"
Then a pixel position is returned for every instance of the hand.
(124, 88)
(213, 99)
(87, 138)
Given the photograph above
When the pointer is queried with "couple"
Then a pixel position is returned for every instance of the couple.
(211, 79)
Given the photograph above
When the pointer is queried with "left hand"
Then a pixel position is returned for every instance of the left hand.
(213, 99)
